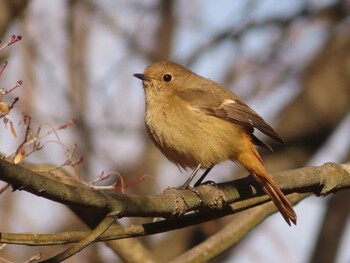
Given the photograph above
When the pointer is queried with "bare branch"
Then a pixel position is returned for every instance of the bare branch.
(87, 240)
(209, 201)
(241, 194)
(244, 192)
(256, 215)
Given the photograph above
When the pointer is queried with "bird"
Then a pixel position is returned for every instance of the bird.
(197, 123)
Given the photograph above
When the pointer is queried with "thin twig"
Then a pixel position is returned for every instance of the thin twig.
(87, 240)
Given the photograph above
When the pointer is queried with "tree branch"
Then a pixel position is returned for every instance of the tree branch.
(241, 193)
(119, 232)
(84, 242)
(244, 192)
(232, 233)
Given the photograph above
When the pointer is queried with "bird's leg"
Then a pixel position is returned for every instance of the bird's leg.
(200, 180)
(188, 181)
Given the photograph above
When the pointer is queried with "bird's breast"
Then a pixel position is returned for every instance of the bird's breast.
(188, 137)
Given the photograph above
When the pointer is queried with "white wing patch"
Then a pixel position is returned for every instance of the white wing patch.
(227, 102)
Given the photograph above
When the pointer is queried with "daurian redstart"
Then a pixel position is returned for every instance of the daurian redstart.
(197, 123)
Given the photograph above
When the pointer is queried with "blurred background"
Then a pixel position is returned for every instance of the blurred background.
(288, 60)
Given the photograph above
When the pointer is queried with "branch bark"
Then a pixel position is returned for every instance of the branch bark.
(210, 202)
(258, 214)
(84, 242)
(241, 193)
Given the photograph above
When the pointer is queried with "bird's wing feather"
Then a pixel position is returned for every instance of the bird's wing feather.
(227, 106)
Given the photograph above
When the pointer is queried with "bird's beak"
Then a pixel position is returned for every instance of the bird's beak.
(142, 77)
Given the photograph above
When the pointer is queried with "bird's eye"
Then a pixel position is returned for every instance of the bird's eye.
(167, 77)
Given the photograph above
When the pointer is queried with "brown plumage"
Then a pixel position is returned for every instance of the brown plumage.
(197, 123)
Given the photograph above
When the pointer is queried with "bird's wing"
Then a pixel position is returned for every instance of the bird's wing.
(222, 103)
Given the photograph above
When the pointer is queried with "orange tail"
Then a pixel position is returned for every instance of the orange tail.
(252, 162)
(278, 198)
